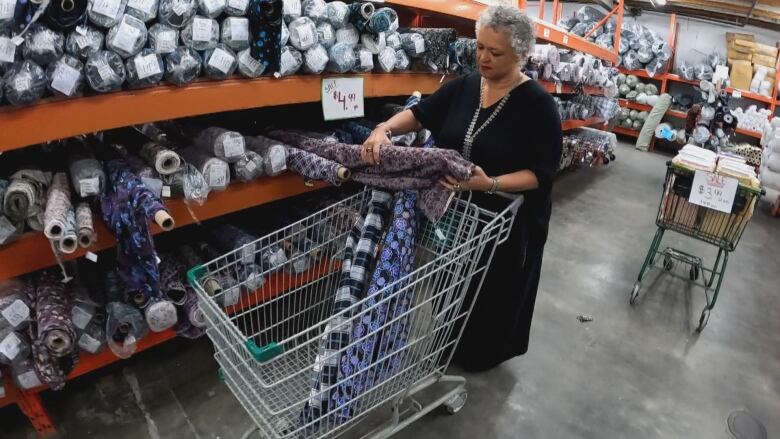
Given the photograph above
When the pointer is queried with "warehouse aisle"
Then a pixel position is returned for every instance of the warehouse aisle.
(632, 372)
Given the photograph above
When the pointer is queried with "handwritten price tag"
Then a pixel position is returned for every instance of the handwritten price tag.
(342, 98)
(713, 191)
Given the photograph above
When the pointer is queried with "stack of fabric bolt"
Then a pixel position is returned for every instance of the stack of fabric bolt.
(117, 44)
(587, 147)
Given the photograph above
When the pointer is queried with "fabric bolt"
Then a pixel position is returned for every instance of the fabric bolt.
(163, 39)
(145, 69)
(85, 228)
(326, 35)
(341, 58)
(413, 44)
(68, 243)
(274, 154)
(216, 172)
(373, 336)
(364, 60)
(26, 194)
(237, 8)
(16, 302)
(105, 71)
(127, 206)
(315, 9)
(182, 66)
(172, 279)
(360, 14)
(361, 245)
(235, 33)
(285, 36)
(303, 33)
(291, 10)
(24, 83)
(399, 168)
(125, 325)
(190, 258)
(221, 143)
(291, 61)
(127, 37)
(53, 324)
(191, 321)
(383, 20)
(437, 47)
(220, 63)
(249, 167)
(314, 167)
(248, 66)
(106, 14)
(43, 45)
(57, 206)
(188, 182)
(92, 339)
(86, 175)
(229, 293)
(337, 14)
(463, 56)
(265, 26)
(147, 174)
(65, 77)
(82, 46)
(393, 40)
(177, 13)
(315, 59)
(211, 8)
(202, 33)
(14, 346)
(402, 61)
(65, 16)
(244, 263)
(348, 35)
(144, 10)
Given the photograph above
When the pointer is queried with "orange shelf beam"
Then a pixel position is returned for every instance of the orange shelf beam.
(641, 74)
(470, 10)
(575, 123)
(677, 113)
(634, 105)
(56, 119)
(749, 133)
(32, 252)
(625, 131)
(554, 88)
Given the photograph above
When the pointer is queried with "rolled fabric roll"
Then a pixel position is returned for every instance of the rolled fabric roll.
(65, 77)
(124, 327)
(221, 143)
(386, 59)
(373, 43)
(365, 60)
(315, 60)
(82, 46)
(326, 35)
(202, 33)
(215, 171)
(360, 14)
(53, 324)
(314, 167)
(237, 8)
(57, 207)
(337, 14)
(290, 62)
(86, 174)
(231, 292)
(211, 8)
(182, 66)
(105, 71)
(248, 66)
(292, 10)
(144, 10)
(23, 374)
(285, 36)
(348, 35)
(164, 160)
(145, 69)
(437, 46)
(14, 346)
(383, 20)
(177, 13)
(43, 45)
(235, 33)
(172, 279)
(265, 26)
(191, 320)
(220, 62)
(402, 60)
(413, 44)
(163, 39)
(190, 258)
(393, 40)
(68, 243)
(188, 183)
(148, 175)
(26, 194)
(85, 228)
(341, 58)
(249, 167)
(24, 83)
(106, 13)
(303, 33)
(274, 154)
(16, 303)
(93, 338)
(315, 9)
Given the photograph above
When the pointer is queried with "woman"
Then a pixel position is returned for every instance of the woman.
(509, 126)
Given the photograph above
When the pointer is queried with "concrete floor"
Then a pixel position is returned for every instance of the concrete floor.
(636, 372)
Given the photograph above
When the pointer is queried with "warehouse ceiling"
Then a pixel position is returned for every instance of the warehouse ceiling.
(763, 13)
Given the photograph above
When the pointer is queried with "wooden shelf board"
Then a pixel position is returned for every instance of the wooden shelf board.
(625, 131)
(677, 113)
(634, 105)
(61, 118)
(575, 123)
(744, 132)
(32, 252)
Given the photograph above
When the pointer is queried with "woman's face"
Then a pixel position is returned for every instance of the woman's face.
(495, 54)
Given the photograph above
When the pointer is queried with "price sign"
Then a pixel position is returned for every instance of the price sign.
(147, 65)
(107, 8)
(342, 98)
(736, 94)
(713, 191)
(7, 50)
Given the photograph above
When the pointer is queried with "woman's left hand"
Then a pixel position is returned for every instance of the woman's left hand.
(479, 181)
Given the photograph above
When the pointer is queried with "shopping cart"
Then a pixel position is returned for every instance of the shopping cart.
(720, 229)
(266, 341)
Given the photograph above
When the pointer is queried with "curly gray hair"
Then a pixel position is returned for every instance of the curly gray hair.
(512, 20)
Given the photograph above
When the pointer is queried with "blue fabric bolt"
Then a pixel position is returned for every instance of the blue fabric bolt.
(265, 27)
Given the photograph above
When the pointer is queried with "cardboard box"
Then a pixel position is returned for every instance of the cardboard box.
(768, 61)
(731, 36)
(763, 49)
(739, 56)
(741, 75)
(743, 46)
(740, 48)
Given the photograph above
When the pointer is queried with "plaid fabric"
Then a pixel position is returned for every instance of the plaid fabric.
(359, 253)
(600, 106)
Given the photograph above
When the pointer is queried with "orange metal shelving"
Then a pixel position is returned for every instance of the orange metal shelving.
(634, 105)
(576, 123)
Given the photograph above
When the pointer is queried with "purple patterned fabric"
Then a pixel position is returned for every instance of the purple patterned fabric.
(312, 166)
(399, 168)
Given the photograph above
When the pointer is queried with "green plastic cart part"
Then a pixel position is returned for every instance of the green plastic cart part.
(221, 374)
(265, 353)
(195, 273)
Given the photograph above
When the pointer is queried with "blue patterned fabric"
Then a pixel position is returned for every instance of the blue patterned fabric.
(359, 253)
(265, 24)
(374, 339)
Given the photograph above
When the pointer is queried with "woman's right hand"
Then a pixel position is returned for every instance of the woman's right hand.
(372, 145)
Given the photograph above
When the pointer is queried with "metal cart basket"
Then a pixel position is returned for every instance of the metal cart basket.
(720, 229)
(269, 307)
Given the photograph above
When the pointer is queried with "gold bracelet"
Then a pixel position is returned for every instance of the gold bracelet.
(494, 188)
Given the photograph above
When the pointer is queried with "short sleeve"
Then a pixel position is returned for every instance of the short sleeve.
(547, 142)
(432, 111)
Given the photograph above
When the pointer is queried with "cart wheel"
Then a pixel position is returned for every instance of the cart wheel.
(456, 403)
(694, 273)
(705, 317)
(668, 263)
(634, 293)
